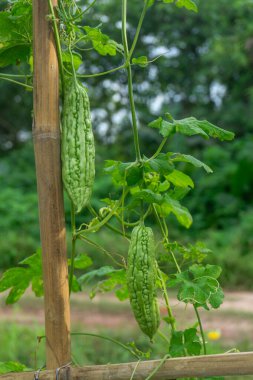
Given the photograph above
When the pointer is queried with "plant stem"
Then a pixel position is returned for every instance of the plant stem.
(82, 237)
(159, 149)
(201, 329)
(16, 82)
(130, 82)
(57, 41)
(82, 13)
(144, 10)
(163, 336)
(167, 356)
(135, 368)
(109, 339)
(164, 233)
(165, 236)
(166, 298)
(107, 225)
(73, 248)
(15, 75)
(102, 73)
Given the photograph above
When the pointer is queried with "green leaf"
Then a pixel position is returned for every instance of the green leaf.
(166, 128)
(101, 42)
(38, 286)
(6, 367)
(188, 4)
(82, 261)
(177, 344)
(18, 279)
(182, 214)
(199, 285)
(178, 157)
(180, 179)
(75, 285)
(101, 272)
(67, 61)
(148, 196)
(14, 54)
(184, 343)
(140, 61)
(190, 126)
(116, 281)
(150, 3)
(124, 173)
(15, 34)
(122, 293)
(192, 342)
(161, 164)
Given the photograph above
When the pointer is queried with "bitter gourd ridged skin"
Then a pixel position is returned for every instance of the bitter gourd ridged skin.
(141, 279)
(77, 144)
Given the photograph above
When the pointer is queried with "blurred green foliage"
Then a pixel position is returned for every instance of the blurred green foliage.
(205, 71)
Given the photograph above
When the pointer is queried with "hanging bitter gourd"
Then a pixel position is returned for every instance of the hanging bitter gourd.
(141, 279)
(77, 144)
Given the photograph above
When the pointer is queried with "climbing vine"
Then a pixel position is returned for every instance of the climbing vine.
(147, 190)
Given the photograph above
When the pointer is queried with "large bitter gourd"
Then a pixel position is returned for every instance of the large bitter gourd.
(141, 279)
(77, 144)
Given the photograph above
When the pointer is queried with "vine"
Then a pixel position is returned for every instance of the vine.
(150, 189)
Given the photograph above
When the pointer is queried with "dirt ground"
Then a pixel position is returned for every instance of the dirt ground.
(234, 320)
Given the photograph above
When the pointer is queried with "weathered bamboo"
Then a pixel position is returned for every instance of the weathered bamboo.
(46, 135)
(194, 366)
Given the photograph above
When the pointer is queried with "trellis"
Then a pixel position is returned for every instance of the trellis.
(46, 136)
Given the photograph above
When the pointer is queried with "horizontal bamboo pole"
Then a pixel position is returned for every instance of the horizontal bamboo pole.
(194, 366)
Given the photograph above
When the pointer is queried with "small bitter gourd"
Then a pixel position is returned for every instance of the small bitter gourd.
(141, 279)
(77, 144)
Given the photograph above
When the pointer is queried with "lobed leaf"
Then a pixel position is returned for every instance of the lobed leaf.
(178, 157)
(184, 343)
(101, 42)
(173, 206)
(188, 4)
(180, 179)
(190, 126)
(198, 285)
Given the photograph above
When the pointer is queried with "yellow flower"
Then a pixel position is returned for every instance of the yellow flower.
(214, 335)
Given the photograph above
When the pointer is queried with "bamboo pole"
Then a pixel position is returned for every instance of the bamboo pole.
(46, 135)
(194, 366)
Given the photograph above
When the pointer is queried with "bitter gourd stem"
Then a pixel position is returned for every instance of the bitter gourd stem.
(159, 149)
(166, 298)
(73, 249)
(144, 10)
(101, 73)
(130, 82)
(201, 329)
(179, 271)
(83, 237)
(16, 82)
(165, 237)
(82, 13)
(109, 339)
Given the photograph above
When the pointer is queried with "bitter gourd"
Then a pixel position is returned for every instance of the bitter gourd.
(77, 144)
(141, 279)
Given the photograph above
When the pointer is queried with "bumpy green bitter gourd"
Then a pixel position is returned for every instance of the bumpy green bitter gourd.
(77, 144)
(141, 279)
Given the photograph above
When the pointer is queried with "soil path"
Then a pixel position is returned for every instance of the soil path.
(234, 319)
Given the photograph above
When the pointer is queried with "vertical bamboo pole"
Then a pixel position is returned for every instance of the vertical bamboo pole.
(46, 135)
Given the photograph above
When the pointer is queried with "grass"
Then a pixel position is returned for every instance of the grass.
(19, 343)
